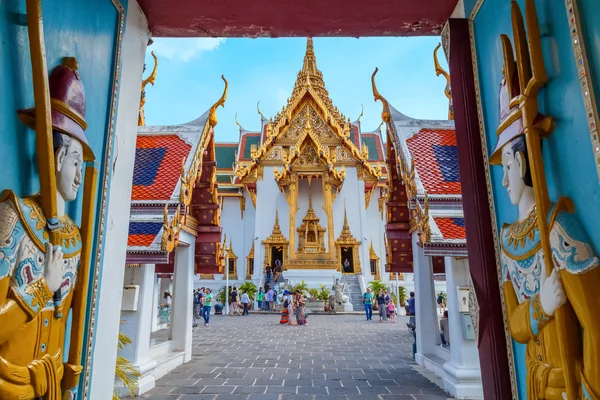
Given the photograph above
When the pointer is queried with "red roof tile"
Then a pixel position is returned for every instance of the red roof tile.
(451, 228)
(157, 166)
(436, 160)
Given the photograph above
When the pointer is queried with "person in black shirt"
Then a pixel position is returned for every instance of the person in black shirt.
(381, 305)
(234, 305)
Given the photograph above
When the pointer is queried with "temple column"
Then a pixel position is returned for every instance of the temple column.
(328, 206)
(293, 193)
(181, 319)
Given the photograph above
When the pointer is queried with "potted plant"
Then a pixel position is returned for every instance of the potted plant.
(324, 297)
(403, 296)
(313, 303)
(302, 287)
(220, 299)
(251, 289)
(375, 287)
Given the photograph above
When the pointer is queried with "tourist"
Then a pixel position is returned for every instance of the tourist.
(285, 313)
(347, 265)
(245, 302)
(300, 309)
(368, 302)
(233, 301)
(269, 272)
(165, 308)
(381, 305)
(277, 270)
(440, 302)
(411, 304)
(391, 309)
(290, 308)
(198, 303)
(445, 336)
(207, 306)
(270, 299)
(260, 297)
(276, 300)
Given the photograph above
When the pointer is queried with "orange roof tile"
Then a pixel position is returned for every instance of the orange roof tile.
(451, 228)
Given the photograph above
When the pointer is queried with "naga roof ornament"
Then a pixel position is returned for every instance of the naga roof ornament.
(447, 90)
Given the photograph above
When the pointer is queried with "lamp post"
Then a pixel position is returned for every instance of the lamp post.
(226, 280)
(397, 291)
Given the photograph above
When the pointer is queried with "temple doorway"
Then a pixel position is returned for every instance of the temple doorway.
(347, 260)
(276, 254)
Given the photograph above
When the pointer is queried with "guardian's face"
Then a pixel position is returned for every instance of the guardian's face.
(514, 172)
(69, 165)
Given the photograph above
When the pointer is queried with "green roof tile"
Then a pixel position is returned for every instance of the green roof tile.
(372, 146)
(225, 155)
(223, 178)
(250, 140)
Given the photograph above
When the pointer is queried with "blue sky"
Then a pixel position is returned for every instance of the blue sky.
(188, 78)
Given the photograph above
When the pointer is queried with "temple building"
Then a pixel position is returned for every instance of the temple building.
(306, 189)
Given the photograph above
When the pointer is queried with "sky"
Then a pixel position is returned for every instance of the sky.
(188, 80)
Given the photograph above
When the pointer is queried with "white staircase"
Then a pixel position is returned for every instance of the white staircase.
(352, 290)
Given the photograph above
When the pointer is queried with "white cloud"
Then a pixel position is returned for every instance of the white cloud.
(184, 49)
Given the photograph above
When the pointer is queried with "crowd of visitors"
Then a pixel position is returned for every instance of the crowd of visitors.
(294, 304)
(385, 305)
(202, 304)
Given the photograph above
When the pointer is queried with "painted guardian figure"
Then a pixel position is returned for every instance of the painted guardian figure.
(37, 279)
(532, 295)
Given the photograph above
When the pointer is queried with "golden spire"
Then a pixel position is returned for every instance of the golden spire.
(310, 206)
(310, 75)
(149, 80)
(276, 228)
(447, 90)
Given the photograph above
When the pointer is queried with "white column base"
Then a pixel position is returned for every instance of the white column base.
(462, 382)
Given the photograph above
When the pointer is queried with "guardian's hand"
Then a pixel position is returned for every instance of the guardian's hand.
(53, 267)
(552, 294)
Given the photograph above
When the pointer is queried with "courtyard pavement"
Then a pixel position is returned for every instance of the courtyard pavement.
(333, 357)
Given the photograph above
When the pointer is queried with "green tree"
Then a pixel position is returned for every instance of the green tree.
(313, 293)
(323, 293)
(302, 287)
(250, 288)
(124, 369)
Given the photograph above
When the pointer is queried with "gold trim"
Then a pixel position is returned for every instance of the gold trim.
(249, 257)
(447, 92)
(230, 255)
(345, 240)
(583, 68)
(102, 208)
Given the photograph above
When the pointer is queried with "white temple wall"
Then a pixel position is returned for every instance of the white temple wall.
(108, 316)
(232, 224)
(268, 198)
(375, 229)
(317, 200)
(248, 224)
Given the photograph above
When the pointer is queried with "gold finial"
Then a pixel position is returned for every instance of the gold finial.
(385, 113)
(447, 90)
(212, 115)
(262, 117)
(238, 124)
(149, 80)
(310, 206)
(362, 111)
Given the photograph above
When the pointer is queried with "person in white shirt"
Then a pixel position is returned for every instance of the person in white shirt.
(245, 301)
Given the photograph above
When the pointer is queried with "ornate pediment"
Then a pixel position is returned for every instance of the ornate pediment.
(308, 158)
(321, 129)
(310, 103)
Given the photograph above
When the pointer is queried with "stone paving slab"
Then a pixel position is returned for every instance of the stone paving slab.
(341, 357)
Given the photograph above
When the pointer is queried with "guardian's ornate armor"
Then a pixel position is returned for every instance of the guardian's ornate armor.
(522, 269)
(32, 324)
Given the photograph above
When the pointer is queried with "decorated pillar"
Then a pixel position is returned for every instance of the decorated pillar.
(328, 206)
(293, 194)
